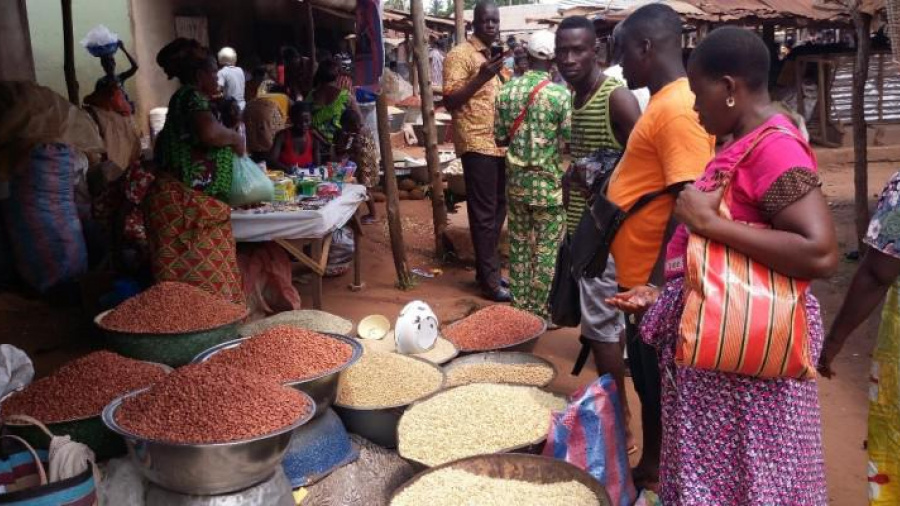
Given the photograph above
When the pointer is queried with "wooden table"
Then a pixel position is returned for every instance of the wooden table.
(306, 235)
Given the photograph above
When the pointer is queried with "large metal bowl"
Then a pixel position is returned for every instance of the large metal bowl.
(205, 469)
(379, 423)
(502, 357)
(173, 349)
(512, 466)
(525, 344)
(88, 430)
(322, 388)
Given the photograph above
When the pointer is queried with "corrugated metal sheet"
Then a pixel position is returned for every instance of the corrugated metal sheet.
(882, 102)
(715, 11)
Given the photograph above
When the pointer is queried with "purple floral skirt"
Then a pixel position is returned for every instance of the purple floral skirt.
(731, 439)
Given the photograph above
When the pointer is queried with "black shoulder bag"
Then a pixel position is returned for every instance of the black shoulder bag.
(585, 253)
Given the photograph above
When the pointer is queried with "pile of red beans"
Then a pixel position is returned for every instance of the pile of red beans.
(287, 354)
(493, 327)
(211, 403)
(171, 307)
(82, 388)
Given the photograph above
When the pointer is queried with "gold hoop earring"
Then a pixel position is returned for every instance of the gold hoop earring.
(729, 102)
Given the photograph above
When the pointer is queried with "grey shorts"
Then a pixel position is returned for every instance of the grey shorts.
(600, 321)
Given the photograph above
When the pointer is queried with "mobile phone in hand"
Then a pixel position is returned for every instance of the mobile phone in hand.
(496, 50)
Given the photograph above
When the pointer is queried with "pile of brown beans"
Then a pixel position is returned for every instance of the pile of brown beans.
(82, 388)
(493, 327)
(171, 307)
(211, 403)
(287, 353)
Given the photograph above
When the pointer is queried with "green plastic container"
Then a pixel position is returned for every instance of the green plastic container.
(308, 187)
(174, 350)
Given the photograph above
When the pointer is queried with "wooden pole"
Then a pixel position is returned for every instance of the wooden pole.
(863, 23)
(459, 8)
(398, 250)
(438, 209)
(310, 67)
(69, 52)
(410, 64)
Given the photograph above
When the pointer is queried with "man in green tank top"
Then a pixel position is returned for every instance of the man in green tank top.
(604, 112)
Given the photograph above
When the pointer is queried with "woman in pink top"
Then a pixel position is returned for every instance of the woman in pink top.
(731, 439)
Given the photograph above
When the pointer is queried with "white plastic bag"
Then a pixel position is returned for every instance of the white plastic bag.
(16, 369)
(249, 184)
(99, 35)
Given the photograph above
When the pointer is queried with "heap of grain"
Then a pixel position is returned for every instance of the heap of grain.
(442, 351)
(212, 403)
(493, 327)
(287, 354)
(309, 319)
(387, 379)
(170, 307)
(452, 487)
(475, 419)
(497, 372)
(82, 388)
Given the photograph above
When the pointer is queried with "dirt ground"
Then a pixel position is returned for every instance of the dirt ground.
(54, 333)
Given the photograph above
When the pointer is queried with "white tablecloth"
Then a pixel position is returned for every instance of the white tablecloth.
(250, 227)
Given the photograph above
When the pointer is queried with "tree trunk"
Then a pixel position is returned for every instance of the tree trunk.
(438, 209)
(863, 24)
(69, 52)
(395, 228)
(459, 7)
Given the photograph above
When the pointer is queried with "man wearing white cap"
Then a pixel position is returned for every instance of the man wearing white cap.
(533, 119)
(231, 77)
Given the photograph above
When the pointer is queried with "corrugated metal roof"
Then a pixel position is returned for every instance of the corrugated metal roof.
(715, 11)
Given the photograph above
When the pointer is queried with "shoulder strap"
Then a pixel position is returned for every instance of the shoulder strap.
(521, 117)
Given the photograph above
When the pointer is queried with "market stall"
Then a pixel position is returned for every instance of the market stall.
(299, 227)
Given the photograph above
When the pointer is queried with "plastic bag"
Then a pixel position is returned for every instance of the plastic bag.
(590, 434)
(16, 369)
(340, 256)
(249, 184)
(122, 484)
(100, 36)
(266, 276)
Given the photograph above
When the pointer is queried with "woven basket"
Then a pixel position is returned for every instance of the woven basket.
(893, 21)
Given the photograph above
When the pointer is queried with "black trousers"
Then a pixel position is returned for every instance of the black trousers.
(643, 362)
(485, 178)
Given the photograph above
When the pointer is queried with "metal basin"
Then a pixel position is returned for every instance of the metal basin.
(174, 349)
(205, 469)
(502, 357)
(528, 468)
(322, 388)
(89, 430)
(379, 423)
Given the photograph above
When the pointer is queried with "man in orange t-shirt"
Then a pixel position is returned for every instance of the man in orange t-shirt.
(667, 148)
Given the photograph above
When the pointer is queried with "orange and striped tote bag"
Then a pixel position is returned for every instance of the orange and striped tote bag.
(740, 316)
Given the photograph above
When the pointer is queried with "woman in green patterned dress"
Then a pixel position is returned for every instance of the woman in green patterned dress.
(329, 101)
(188, 219)
(193, 144)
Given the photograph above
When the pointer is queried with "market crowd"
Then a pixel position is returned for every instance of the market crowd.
(677, 169)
